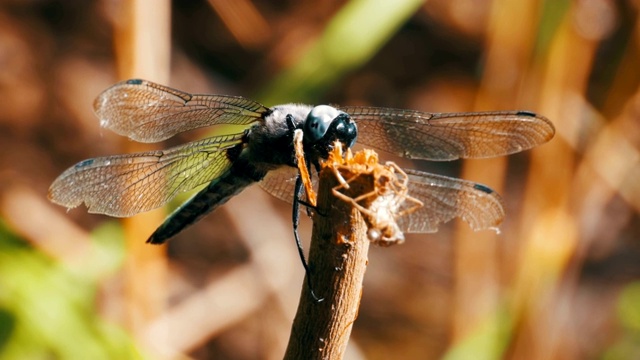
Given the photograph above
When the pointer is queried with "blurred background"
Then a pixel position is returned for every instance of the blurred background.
(560, 281)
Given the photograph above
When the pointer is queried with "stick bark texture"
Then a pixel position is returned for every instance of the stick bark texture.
(338, 258)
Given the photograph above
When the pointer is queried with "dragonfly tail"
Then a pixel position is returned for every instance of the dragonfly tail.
(208, 199)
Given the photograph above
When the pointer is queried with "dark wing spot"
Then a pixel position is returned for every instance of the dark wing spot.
(134, 81)
(526, 113)
(483, 188)
(84, 163)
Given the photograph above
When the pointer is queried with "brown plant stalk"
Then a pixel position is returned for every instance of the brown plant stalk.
(342, 231)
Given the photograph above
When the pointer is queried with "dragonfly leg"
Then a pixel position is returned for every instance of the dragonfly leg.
(303, 166)
(312, 207)
(296, 221)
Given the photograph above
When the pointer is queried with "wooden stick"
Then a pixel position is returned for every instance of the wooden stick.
(338, 259)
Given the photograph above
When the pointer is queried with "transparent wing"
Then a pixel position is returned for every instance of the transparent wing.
(124, 185)
(445, 198)
(281, 183)
(449, 136)
(149, 112)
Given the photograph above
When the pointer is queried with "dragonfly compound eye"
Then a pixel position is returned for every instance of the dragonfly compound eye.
(318, 122)
(345, 129)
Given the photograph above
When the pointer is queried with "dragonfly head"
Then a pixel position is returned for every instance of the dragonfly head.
(326, 124)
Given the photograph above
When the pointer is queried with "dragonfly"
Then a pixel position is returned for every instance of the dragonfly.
(257, 146)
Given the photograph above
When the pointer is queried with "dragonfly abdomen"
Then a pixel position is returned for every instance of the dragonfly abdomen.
(208, 199)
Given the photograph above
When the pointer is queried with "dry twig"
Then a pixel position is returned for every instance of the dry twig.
(339, 247)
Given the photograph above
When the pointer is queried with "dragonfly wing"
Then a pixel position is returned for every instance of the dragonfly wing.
(445, 198)
(149, 112)
(124, 185)
(449, 136)
(281, 183)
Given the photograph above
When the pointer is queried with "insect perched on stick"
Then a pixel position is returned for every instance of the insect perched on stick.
(260, 148)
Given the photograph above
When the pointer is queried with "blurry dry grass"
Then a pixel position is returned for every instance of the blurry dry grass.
(545, 288)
